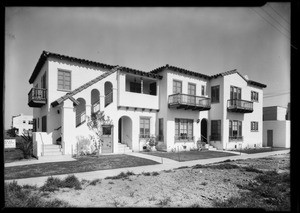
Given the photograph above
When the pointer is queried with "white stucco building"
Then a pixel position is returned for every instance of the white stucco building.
(177, 106)
(23, 123)
(276, 127)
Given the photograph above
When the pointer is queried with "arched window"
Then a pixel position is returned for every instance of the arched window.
(95, 101)
(108, 90)
(80, 112)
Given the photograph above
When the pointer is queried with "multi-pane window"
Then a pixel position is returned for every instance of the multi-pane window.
(235, 93)
(44, 124)
(144, 127)
(202, 90)
(215, 130)
(192, 92)
(254, 96)
(161, 129)
(183, 129)
(64, 80)
(215, 94)
(177, 87)
(254, 126)
(135, 87)
(235, 129)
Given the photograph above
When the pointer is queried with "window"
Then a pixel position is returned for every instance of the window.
(144, 127)
(215, 94)
(106, 130)
(254, 96)
(34, 125)
(183, 129)
(43, 81)
(192, 92)
(135, 87)
(80, 112)
(24, 122)
(235, 93)
(38, 123)
(177, 87)
(254, 126)
(44, 124)
(161, 129)
(30, 122)
(202, 90)
(64, 80)
(235, 130)
(215, 130)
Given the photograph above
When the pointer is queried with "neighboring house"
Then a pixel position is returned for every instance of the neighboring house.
(177, 106)
(22, 123)
(277, 130)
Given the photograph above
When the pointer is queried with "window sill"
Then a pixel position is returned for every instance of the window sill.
(64, 90)
(254, 131)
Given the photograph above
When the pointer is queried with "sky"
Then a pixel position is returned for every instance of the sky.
(209, 40)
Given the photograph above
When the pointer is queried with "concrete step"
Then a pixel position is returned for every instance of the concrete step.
(122, 148)
(52, 146)
(48, 153)
(52, 150)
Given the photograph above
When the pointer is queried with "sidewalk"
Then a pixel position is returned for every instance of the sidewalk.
(166, 164)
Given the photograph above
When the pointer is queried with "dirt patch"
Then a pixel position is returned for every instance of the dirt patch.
(184, 187)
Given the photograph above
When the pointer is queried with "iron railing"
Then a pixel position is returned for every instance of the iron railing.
(189, 100)
(184, 137)
(235, 138)
(37, 94)
(239, 104)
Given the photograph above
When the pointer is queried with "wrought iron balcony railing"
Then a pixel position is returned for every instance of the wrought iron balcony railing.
(235, 138)
(237, 105)
(185, 101)
(37, 97)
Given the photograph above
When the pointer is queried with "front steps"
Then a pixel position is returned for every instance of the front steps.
(52, 150)
(123, 148)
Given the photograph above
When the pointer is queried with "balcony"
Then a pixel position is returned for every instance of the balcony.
(37, 97)
(184, 101)
(240, 106)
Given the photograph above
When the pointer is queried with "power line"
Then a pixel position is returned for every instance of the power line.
(278, 14)
(275, 28)
(275, 19)
(270, 96)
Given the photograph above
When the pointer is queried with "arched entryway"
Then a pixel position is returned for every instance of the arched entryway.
(204, 130)
(95, 100)
(108, 92)
(80, 112)
(125, 131)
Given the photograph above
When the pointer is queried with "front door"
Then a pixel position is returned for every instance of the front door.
(204, 130)
(269, 138)
(107, 145)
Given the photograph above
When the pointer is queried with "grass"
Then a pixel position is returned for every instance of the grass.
(259, 150)
(269, 191)
(22, 196)
(82, 164)
(190, 155)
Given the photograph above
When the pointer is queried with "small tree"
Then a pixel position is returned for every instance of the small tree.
(26, 145)
(95, 123)
(12, 132)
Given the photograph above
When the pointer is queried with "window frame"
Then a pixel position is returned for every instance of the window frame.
(254, 126)
(203, 90)
(238, 95)
(177, 81)
(217, 100)
(184, 124)
(218, 128)
(65, 71)
(239, 130)
(143, 134)
(253, 96)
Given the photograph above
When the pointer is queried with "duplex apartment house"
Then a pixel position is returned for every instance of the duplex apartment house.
(22, 123)
(177, 106)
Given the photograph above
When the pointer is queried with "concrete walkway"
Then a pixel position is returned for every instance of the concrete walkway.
(165, 164)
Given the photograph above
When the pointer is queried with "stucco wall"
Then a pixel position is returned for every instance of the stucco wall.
(281, 133)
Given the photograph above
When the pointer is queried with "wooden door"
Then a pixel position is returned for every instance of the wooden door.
(107, 145)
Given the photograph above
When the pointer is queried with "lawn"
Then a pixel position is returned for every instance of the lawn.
(82, 164)
(190, 155)
(259, 150)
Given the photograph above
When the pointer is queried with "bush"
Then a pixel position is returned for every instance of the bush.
(122, 175)
(52, 184)
(25, 144)
(18, 196)
(84, 146)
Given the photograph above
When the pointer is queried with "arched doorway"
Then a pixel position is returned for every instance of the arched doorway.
(125, 131)
(204, 130)
(80, 112)
(108, 92)
(95, 100)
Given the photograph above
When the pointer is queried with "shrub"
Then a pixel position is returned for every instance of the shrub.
(71, 181)
(154, 173)
(84, 146)
(18, 196)
(94, 182)
(25, 144)
(122, 175)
